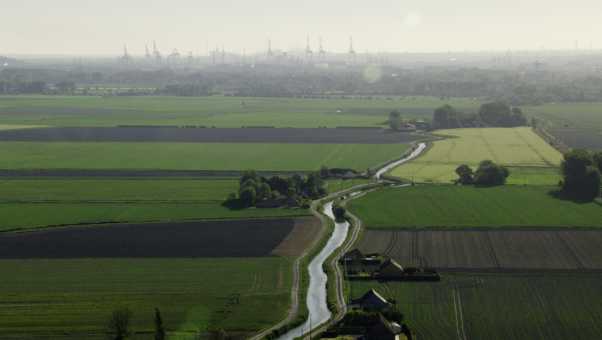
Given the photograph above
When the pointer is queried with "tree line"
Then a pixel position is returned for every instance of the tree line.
(514, 86)
(495, 114)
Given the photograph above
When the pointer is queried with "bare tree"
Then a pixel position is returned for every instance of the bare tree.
(119, 324)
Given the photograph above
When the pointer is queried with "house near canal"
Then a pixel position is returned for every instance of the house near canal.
(371, 301)
(390, 270)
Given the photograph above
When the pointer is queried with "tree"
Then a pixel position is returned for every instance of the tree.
(159, 329)
(465, 174)
(445, 117)
(247, 175)
(119, 324)
(248, 196)
(598, 160)
(264, 191)
(395, 120)
(490, 174)
(581, 176)
(249, 183)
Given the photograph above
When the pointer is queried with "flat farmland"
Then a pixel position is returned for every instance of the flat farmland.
(498, 306)
(73, 298)
(195, 156)
(214, 111)
(231, 238)
(577, 125)
(447, 206)
(64, 283)
(512, 147)
(579, 138)
(569, 115)
(35, 203)
(209, 135)
(495, 251)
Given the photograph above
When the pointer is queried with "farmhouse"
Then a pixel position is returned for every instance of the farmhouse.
(390, 269)
(355, 262)
(385, 330)
(371, 301)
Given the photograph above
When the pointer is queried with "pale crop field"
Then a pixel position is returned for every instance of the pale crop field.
(518, 148)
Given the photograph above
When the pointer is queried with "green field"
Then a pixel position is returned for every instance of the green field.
(502, 306)
(37, 203)
(73, 299)
(513, 147)
(574, 115)
(456, 206)
(335, 185)
(214, 111)
(194, 156)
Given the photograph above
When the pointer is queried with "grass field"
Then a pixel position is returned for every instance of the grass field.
(335, 185)
(214, 111)
(38, 203)
(481, 306)
(73, 299)
(457, 206)
(192, 156)
(515, 147)
(572, 115)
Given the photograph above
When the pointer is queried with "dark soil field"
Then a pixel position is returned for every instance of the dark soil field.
(499, 250)
(498, 306)
(209, 135)
(579, 138)
(235, 238)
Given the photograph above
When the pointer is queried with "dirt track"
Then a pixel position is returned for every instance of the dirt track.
(236, 238)
(497, 250)
(209, 135)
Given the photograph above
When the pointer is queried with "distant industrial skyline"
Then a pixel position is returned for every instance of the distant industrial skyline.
(70, 27)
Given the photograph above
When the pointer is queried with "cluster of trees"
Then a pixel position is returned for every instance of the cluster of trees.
(581, 175)
(254, 189)
(497, 114)
(502, 115)
(488, 174)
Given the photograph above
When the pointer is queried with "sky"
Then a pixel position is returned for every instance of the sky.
(103, 27)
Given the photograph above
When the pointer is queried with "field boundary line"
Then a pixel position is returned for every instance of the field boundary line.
(541, 156)
(494, 257)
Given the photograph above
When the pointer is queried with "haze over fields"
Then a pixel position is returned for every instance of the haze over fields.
(76, 27)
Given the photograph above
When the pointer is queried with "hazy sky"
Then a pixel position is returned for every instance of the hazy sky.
(104, 26)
